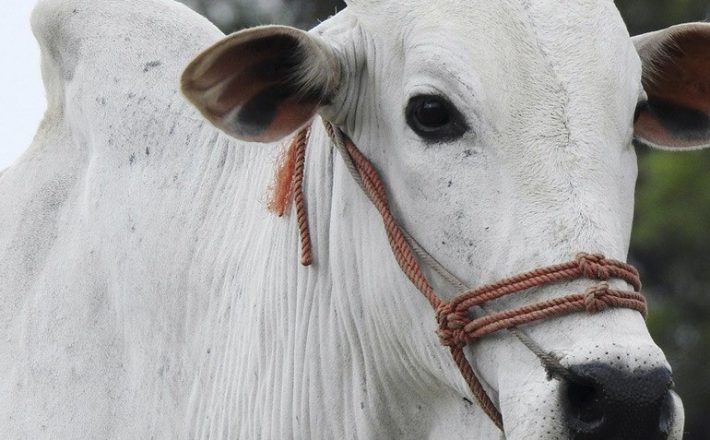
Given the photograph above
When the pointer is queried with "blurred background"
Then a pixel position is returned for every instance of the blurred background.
(671, 239)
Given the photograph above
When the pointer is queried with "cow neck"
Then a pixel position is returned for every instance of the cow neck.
(456, 326)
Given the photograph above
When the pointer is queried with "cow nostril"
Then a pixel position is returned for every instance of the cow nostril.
(665, 423)
(584, 406)
(605, 403)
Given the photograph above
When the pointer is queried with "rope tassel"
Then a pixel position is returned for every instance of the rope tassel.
(288, 188)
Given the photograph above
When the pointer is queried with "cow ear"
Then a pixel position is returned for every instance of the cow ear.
(264, 83)
(676, 78)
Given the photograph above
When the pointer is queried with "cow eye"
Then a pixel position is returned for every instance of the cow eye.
(435, 119)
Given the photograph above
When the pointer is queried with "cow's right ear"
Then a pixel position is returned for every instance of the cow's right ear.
(676, 78)
(264, 83)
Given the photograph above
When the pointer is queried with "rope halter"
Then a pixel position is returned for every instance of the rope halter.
(456, 327)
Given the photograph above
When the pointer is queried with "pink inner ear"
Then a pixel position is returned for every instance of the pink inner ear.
(252, 84)
(237, 73)
(680, 74)
(290, 116)
(677, 82)
(649, 128)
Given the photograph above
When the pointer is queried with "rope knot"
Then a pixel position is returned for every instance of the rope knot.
(596, 298)
(451, 326)
(452, 338)
(449, 318)
(593, 266)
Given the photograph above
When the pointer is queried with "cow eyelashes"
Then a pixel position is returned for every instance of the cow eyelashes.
(435, 119)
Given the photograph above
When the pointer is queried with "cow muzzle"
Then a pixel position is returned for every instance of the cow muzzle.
(604, 402)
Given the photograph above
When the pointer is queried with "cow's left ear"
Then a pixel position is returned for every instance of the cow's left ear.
(264, 83)
(676, 78)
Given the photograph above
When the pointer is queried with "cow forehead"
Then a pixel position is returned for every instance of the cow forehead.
(536, 57)
(488, 33)
(549, 92)
(501, 12)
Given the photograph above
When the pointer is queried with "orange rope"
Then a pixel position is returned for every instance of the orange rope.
(300, 199)
(456, 328)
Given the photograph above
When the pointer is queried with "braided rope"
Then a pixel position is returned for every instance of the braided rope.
(550, 362)
(456, 328)
(301, 141)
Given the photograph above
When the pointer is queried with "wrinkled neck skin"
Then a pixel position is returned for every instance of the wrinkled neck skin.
(320, 348)
(147, 292)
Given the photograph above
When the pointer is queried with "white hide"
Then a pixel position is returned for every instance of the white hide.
(145, 292)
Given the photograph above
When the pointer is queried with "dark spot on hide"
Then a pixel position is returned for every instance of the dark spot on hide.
(468, 401)
(132, 158)
(147, 151)
(684, 122)
(150, 65)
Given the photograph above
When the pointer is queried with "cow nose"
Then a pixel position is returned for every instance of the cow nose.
(603, 402)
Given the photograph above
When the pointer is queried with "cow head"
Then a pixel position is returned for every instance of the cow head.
(505, 134)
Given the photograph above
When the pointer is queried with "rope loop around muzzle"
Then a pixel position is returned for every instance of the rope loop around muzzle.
(457, 329)
(457, 325)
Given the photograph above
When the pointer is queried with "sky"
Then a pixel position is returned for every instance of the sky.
(22, 100)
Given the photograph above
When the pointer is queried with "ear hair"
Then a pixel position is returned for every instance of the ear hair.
(657, 58)
(308, 79)
(659, 48)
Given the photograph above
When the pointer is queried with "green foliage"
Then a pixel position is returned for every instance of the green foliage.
(672, 243)
(673, 203)
(649, 15)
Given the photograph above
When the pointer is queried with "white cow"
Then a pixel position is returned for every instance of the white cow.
(146, 292)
